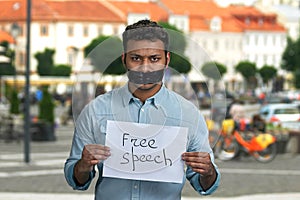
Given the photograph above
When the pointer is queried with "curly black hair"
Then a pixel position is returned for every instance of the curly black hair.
(145, 30)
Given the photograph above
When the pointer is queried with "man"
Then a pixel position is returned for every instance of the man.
(144, 99)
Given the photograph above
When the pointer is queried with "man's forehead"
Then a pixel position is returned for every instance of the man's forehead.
(137, 45)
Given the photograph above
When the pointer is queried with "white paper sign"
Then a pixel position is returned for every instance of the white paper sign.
(145, 151)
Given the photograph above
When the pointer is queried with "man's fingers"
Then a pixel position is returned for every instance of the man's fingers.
(93, 153)
(199, 157)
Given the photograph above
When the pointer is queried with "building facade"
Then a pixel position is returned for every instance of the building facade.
(226, 34)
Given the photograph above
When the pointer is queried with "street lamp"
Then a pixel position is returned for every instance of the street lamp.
(15, 31)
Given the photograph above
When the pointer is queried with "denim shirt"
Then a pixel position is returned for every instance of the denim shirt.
(164, 108)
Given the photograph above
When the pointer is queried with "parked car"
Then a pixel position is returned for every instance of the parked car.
(280, 113)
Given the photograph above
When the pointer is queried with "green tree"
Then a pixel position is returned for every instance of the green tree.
(105, 54)
(214, 70)
(291, 59)
(248, 71)
(61, 70)
(289, 56)
(45, 62)
(297, 78)
(267, 73)
(46, 107)
(7, 68)
(14, 103)
(179, 62)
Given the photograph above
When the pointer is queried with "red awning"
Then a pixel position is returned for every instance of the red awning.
(4, 36)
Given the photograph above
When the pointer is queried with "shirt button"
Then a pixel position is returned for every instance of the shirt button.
(135, 187)
(142, 109)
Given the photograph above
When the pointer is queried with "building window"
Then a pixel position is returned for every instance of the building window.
(247, 21)
(260, 22)
(70, 31)
(21, 59)
(72, 53)
(216, 45)
(100, 30)
(115, 30)
(85, 31)
(216, 24)
(21, 30)
(204, 44)
(71, 59)
(44, 30)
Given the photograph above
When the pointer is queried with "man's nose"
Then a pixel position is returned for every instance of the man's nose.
(145, 67)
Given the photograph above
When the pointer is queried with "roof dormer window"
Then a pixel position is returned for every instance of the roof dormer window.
(216, 24)
(260, 21)
(247, 21)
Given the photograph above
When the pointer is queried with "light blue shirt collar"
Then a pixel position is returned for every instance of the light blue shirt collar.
(156, 99)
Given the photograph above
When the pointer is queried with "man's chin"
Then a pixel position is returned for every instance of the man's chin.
(145, 87)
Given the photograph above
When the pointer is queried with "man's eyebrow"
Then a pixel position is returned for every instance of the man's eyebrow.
(153, 55)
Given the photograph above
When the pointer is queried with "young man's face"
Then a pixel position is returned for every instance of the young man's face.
(145, 56)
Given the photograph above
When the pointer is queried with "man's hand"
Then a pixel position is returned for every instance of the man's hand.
(200, 162)
(92, 154)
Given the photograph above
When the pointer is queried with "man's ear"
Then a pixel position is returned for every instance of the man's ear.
(168, 58)
(124, 60)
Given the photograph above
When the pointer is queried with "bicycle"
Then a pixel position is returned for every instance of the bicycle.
(261, 146)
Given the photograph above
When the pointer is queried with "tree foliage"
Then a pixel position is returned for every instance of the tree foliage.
(7, 68)
(291, 59)
(247, 69)
(61, 70)
(105, 54)
(177, 41)
(297, 78)
(45, 62)
(179, 62)
(46, 106)
(15, 103)
(214, 70)
(267, 73)
(289, 56)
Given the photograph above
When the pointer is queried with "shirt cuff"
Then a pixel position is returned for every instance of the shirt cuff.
(73, 183)
(209, 191)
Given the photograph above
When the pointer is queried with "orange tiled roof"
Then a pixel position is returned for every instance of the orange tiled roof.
(200, 12)
(83, 11)
(251, 18)
(12, 10)
(4, 36)
(156, 12)
(74, 10)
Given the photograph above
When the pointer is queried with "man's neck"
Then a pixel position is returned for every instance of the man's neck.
(143, 94)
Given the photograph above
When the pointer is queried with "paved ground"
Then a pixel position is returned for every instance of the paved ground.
(43, 177)
(34, 196)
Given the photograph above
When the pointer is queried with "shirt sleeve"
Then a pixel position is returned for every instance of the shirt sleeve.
(198, 141)
(83, 135)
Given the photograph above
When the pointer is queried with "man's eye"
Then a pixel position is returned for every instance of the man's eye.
(135, 58)
(154, 59)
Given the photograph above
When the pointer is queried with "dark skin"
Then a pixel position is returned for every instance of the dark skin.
(145, 56)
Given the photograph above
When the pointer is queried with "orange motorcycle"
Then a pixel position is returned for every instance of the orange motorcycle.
(231, 141)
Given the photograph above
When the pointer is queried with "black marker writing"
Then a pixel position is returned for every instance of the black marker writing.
(146, 158)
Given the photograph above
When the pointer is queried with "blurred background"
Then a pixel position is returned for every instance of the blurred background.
(224, 51)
